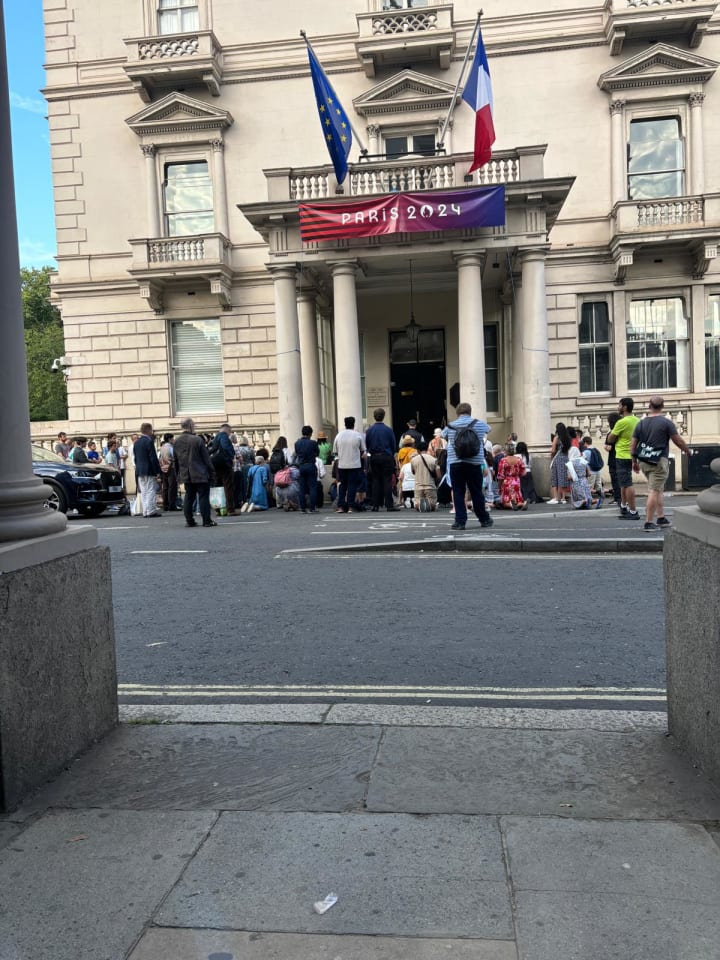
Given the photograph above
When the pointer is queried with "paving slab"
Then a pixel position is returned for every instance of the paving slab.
(82, 885)
(576, 773)
(600, 926)
(394, 875)
(163, 944)
(223, 712)
(673, 861)
(511, 718)
(184, 767)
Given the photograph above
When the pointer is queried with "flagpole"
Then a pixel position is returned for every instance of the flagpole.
(440, 145)
(358, 138)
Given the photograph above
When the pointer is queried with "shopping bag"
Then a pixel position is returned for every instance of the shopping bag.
(217, 498)
(137, 507)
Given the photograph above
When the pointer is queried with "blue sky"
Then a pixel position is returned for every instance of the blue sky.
(31, 146)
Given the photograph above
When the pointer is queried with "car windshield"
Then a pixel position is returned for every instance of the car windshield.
(40, 453)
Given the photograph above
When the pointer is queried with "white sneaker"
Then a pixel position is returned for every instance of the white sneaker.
(553, 501)
(251, 507)
(245, 507)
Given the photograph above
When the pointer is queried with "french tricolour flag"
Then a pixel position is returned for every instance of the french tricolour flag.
(478, 95)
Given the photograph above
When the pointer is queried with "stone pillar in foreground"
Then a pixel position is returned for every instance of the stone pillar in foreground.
(471, 336)
(691, 561)
(310, 359)
(347, 343)
(58, 686)
(531, 351)
(287, 345)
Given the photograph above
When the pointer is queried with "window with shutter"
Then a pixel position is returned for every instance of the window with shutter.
(196, 360)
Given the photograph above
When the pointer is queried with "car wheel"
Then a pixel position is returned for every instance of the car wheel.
(92, 509)
(56, 499)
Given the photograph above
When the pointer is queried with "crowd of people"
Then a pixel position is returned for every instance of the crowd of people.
(458, 467)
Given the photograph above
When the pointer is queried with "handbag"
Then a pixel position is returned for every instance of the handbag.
(217, 498)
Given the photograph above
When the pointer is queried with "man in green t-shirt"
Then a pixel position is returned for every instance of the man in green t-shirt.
(621, 436)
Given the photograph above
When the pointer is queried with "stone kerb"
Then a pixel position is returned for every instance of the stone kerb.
(691, 562)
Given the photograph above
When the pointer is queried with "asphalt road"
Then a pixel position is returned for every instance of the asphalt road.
(221, 615)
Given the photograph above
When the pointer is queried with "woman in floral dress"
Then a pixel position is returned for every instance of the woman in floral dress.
(510, 469)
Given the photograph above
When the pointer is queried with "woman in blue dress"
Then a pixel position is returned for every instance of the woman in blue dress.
(258, 479)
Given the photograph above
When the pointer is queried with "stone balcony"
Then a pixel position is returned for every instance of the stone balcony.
(657, 21)
(692, 222)
(173, 60)
(161, 262)
(416, 35)
(412, 174)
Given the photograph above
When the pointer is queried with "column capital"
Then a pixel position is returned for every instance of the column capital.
(217, 145)
(373, 130)
(282, 271)
(696, 100)
(528, 254)
(343, 268)
(470, 258)
(148, 149)
(616, 106)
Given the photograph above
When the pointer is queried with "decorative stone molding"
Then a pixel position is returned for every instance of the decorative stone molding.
(703, 253)
(643, 20)
(709, 500)
(398, 36)
(617, 106)
(623, 259)
(179, 118)
(217, 145)
(696, 99)
(148, 149)
(153, 293)
(405, 92)
(221, 288)
(661, 65)
(185, 58)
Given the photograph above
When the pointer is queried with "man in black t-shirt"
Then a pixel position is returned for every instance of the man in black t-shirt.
(306, 454)
(652, 437)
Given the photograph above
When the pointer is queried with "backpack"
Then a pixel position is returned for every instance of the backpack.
(277, 461)
(467, 442)
(283, 478)
(596, 461)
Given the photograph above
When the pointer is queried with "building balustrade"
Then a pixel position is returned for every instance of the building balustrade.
(417, 34)
(656, 20)
(595, 423)
(679, 214)
(162, 261)
(395, 176)
(190, 59)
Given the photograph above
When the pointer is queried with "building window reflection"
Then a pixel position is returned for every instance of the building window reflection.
(403, 4)
(188, 199)
(712, 342)
(594, 340)
(178, 16)
(657, 344)
(656, 159)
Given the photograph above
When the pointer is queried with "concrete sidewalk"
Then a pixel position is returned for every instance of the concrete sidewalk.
(467, 833)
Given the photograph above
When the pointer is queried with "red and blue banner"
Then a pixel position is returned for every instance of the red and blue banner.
(424, 212)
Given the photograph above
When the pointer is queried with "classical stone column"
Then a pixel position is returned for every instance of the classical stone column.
(287, 345)
(152, 195)
(471, 343)
(373, 132)
(347, 343)
(697, 150)
(22, 495)
(617, 149)
(534, 346)
(220, 204)
(310, 359)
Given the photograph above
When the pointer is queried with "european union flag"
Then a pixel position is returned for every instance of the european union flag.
(333, 119)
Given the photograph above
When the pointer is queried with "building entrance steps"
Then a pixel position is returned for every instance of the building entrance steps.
(196, 841)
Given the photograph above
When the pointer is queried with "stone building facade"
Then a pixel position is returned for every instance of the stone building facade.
(184, 133)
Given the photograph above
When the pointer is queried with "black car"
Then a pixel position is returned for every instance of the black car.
(86, 487)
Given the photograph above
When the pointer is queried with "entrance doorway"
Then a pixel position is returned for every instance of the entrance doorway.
(417, 380)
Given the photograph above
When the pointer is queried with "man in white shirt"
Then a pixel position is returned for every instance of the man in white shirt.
(349, 451)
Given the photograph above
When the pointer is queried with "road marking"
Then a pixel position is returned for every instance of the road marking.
(135, 526)
(168, 551)
(350, 692)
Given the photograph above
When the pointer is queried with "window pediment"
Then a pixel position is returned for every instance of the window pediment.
(178, 114)
(661, 65)
(407, 91)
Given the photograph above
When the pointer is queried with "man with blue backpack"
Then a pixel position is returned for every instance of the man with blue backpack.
(466, 464)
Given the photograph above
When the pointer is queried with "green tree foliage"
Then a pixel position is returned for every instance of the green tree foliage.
(43, 343)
